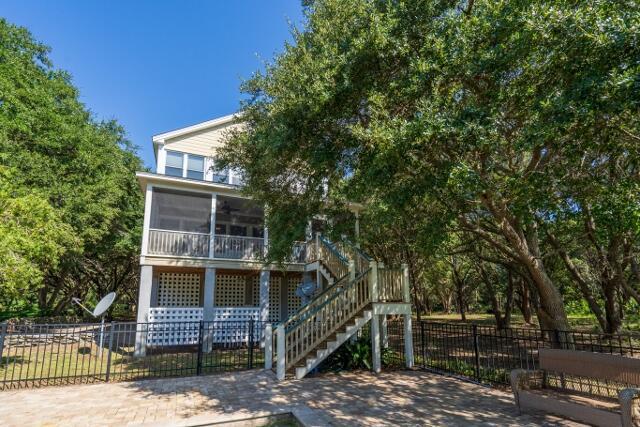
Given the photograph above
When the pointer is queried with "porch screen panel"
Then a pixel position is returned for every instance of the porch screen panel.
(180, 211)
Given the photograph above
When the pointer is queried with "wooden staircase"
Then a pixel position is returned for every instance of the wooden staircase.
(335, 314)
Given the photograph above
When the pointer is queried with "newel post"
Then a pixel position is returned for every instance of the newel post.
(376, 360)
(408, 329)
(268, 346)
(281, 355)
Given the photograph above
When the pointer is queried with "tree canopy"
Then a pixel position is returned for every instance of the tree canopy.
(506, 132)
(70, 206)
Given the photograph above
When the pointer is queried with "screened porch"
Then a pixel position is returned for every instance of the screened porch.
(180, 224)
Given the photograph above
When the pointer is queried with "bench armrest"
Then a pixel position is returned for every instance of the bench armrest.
(522, 379)
(630, 406)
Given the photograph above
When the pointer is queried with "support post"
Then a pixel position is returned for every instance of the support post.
(208, 308)
(112, 331)
(357, 229)
(352, 270)
(268, 346)
(408, 341)
(476, 351)
(384, 331)
(376, 360)
(406, 286)
(264, 295)
(146, 222)
(144, 303)
(280, 353)
(212, 227)
(373, 281)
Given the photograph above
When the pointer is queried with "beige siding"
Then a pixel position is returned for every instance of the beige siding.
(204, 142)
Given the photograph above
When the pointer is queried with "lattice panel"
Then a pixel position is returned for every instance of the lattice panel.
(229, 290)
(255, 284)
(274, 299)
(294, 302)
(173, 326)
(179, 290)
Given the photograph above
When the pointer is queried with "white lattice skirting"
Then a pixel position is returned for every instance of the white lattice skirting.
(169, 326)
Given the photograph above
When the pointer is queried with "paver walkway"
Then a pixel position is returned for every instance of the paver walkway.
(351, 399)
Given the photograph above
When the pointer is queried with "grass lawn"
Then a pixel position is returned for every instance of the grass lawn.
(59, 362)
(578, 323)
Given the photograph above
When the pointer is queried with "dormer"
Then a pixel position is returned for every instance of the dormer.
(190, 152)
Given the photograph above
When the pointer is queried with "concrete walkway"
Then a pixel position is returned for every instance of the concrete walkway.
(353, 399)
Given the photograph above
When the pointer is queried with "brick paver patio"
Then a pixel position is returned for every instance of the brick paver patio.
(350, 399)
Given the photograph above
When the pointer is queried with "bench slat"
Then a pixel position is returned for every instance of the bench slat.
(611, 367)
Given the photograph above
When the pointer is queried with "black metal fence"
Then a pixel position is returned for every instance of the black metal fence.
(487, 354)
(57, 354)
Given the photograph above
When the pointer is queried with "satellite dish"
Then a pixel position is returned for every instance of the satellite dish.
(104, 304)
(306, 290)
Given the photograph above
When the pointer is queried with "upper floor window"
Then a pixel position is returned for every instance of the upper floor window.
(220, 175)
(184, 165)
(174, 164)
(195, 166)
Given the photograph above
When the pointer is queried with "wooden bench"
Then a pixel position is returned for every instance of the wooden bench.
(583, 386)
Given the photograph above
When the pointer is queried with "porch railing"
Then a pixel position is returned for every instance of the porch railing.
(238, 247)
(180, 243)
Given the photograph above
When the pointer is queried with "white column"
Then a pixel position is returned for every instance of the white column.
(266, 241)
(146, 223)
(212, 231)
(144, 303)
(408, 334)
(384, 331)
(162, 160)
(208, 306)
(280, 353)
(408, 341)
(406, 286)
(268, 346)
(375, 319)
(264, 295)
(376, 361)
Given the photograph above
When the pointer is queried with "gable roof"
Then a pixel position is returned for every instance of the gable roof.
(162, 137)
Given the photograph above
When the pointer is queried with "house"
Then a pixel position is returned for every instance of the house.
(202, 261)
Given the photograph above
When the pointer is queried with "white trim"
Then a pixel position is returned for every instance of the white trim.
(160, 138)
(146, 226)
(183, 183)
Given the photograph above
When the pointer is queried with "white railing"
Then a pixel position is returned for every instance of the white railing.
(238, 247)
(180, 243)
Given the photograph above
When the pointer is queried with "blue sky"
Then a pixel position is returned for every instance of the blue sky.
(158, 65)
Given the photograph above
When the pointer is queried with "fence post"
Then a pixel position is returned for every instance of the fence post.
(109, 350)
(3, 333)
(476, 350)
(199, 360)
(422, 344)
(250, 342)
(281, 361)
(268, 346)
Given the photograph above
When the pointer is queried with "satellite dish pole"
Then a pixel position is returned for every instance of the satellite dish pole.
(99, 311)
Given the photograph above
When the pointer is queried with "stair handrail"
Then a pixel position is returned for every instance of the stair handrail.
(360, 257)
(310, 306)
(356, 295)
(331, 257)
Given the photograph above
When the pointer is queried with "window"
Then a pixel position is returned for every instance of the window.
(220, 176)
(174, 164)
(195, 167)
